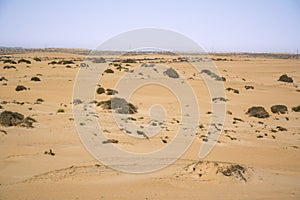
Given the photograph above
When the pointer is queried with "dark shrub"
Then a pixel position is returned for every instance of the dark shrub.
(98, 60)
(296, 108)
(35, 79)
(24, 61)
(9, 61)
(65, 62)
(52, 62)
(9, 67)
(285, 78)
(129, 60)
(37, 59)
(20, 88)
(109, 71)
(257, 111)
(282, 109)
(8, 118)
(100, 90)
(120, 105)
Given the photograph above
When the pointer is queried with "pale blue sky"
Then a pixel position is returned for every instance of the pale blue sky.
(252, 26)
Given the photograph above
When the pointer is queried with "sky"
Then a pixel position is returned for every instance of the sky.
(216, 25)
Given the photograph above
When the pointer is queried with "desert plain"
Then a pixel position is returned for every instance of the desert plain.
(254, 157)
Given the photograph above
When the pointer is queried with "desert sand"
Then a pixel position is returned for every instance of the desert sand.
(254, 158)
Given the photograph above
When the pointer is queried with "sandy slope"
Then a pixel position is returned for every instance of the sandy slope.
(271, 163)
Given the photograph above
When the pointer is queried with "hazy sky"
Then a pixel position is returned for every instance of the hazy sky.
(253, 25)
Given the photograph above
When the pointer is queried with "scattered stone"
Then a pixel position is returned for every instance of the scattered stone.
(234, 90)
(111, 92)
(35, 79)
(279, 109)
(2, 78)
(248, 87)
(257, 111)
(50, 152)
(280, 128)
(238, 119)
(213, 75)
(296, 108)
(110, 141)
(229, 112)
(20, 88)
(3, 131)
(216, 99)
(77, 101)
(273, 130)
(142, 133)
(164, 141)
(285, 78)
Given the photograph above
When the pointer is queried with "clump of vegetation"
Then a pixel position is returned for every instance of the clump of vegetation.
(35, 79)
(68, 66)
(39, 100)
(9, 67)
(120, 105)
(37, 59)
(9, 61)
(65, 62)
(285, 78)
(20, 88)
(8, 118)
(110, 71)
(98, 60)
(296, 108)
(52, 62)
(257, 111)
(282, 109)
(100, 90)
(129, 60)
(61, 110)
(24, 61)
